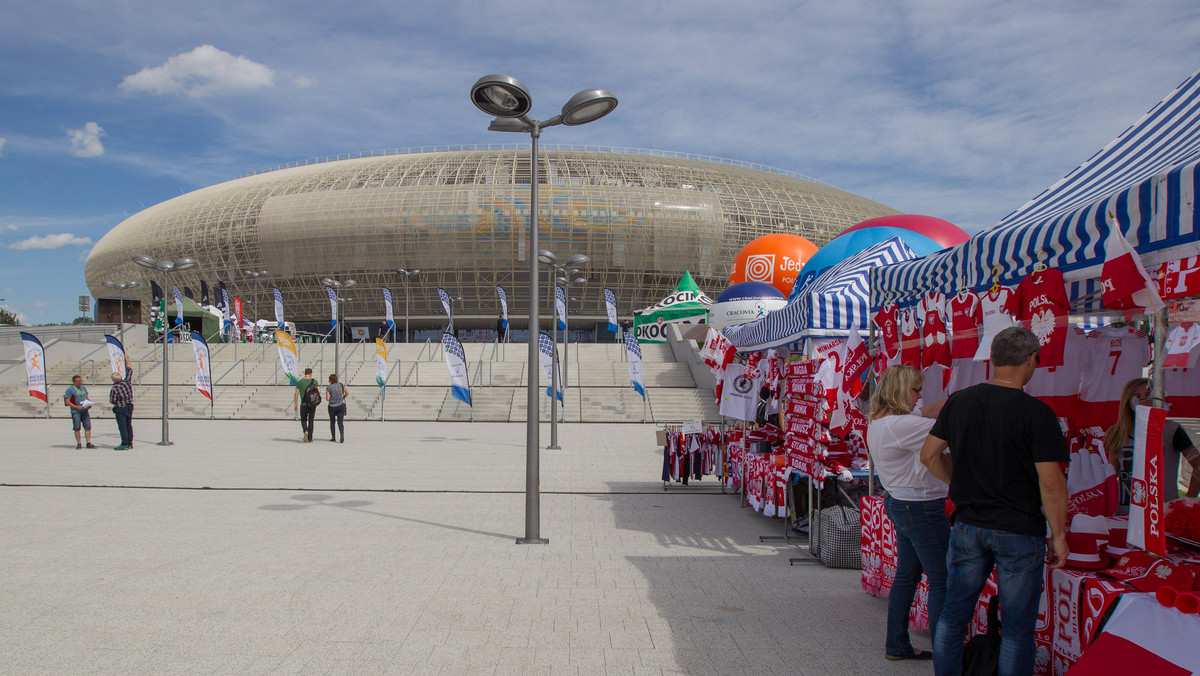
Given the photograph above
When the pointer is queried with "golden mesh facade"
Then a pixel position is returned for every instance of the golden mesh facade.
(461, 217)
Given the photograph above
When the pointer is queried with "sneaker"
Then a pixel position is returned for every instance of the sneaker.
(78, 446)
(343, 440)
(90, 445)
(332, 439)
(122, 448)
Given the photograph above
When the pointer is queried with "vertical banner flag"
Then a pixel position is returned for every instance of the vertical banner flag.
(1147, 520)
(288, 356)
(333, 302)
(546, 350)
(387, 309)
(204, 293)
(560, 304)
(226, 322)
(156, 301)
(278, 309)
(162, 313)
(446, 305)
(203, 367)
(610, 305)
(380, 362)
(635, 364)
(178, 306)
(1124, 283)
(187, 293)
(116, 355)
(503, 307)
(456, 364)
(35, 365)
(237, 317)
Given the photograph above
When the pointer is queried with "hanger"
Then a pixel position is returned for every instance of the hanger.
(962, 290)
(996, 280)
(1041, 265)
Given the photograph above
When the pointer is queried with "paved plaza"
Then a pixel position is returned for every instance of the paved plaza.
(240, 550)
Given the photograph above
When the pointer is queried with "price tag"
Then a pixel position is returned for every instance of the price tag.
(692, 427)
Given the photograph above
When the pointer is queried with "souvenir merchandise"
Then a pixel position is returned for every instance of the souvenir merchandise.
(910, 338)
(966, 372)
(936, 386)
(1114, 356)
(1183, 392)
(964, 324)
(935, 344)
(1179, 278)
(739, 395)
(889, 329)
(1058, 386)
(995, 314)
(1183, 346)
(1041, 305)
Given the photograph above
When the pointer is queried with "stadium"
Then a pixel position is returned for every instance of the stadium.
(460, 216)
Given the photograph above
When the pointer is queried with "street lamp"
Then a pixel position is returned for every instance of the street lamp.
(404, 276)
(509, 101)
(120, 286)
(166, 267)
(256, 275)
(550, 260)
(337, 287)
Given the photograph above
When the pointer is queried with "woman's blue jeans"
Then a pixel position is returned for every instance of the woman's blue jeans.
(922, 536)
(1018, 560)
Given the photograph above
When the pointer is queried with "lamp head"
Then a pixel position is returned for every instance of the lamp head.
(185, 264)
(145, 261)
(578, 259)
(588, 105)
(547, 257)
(328, 282)
(501, 96)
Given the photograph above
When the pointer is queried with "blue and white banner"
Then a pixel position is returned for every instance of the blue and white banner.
(333, 302)
(456, 364)
(116, 355)
(35, 365)
(635, 364)
(203, 367)
(278, 309)
(610, 305)
(446, 305)
(226, 308)
(547, 352)
(178, 305)
(387, 309)
(560, 304)
(503, 307)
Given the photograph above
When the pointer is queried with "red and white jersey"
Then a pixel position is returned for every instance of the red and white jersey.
(964, 324)
(910, 338)
(1183, 392)
(995, 313)
(935, 344)
(1059, 385)
(1041, 304)
(889, 327)
(1114, 357)
(1178, 279)
(1182, 346)
(966, 372)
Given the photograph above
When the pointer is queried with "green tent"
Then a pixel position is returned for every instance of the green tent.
(195, 318)
(687, 304)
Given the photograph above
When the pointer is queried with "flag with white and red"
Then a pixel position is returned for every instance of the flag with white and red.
(1124, 281)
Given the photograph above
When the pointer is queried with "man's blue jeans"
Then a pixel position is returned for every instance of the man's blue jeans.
(922, 536)
(1019, 561)
(124, 417)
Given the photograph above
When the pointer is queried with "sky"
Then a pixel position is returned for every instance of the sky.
(959, 110)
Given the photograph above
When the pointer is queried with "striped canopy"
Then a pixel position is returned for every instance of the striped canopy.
(828, 306)
(1146, 180)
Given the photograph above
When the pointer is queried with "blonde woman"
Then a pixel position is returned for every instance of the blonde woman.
(915, 502)
(1118, 445)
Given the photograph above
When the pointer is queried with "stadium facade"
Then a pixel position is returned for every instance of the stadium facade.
(461, 217)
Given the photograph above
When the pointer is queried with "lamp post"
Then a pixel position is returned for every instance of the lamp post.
(166, 267)
(256, 275)
(404, 276)
(575, 278)
(508, 100)
(337, 287)
(120, 286)
(550, 260)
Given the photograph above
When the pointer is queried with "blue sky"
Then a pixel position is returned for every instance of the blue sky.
(958, 110)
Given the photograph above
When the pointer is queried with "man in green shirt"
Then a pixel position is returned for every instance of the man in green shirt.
(76, 398)
(307, 411)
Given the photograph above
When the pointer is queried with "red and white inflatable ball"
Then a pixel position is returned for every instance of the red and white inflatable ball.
(772, 259)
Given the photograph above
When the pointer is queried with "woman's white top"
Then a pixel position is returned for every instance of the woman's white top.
(895, 442)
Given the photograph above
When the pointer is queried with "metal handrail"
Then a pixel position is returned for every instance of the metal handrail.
(381, 397)
(232, 367)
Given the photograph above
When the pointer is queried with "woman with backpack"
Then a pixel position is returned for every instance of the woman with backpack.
(306, 399)
(335, 394)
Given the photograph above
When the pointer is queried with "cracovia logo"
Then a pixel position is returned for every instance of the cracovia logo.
(742, 385)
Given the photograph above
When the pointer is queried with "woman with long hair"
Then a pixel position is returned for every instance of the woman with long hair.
(915, 502)
(1118, 446)
(335, 394)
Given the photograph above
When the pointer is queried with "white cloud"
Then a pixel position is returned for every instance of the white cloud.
(2, 142)
(7, 227)
(204, 71)
(86, 142)
(51, 242)
(303, 82)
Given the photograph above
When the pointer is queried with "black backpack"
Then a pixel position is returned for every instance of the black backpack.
(312, 395)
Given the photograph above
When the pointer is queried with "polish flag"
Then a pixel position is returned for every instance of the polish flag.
(1125, 283)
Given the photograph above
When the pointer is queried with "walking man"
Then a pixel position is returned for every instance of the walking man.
(300, 402)
(1006, 485)
(121, 398)
(76, 398)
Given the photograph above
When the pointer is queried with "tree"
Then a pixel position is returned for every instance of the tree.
(7, 317)
(83, 320)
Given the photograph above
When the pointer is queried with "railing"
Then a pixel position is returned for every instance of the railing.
(217, 380)
(382, 396)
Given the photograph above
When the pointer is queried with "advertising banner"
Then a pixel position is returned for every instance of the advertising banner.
(278, 309)
(560, 306)
(238, 319)
(333, 303)
(610, 306)
(687, 304)
(547, 352)
(35, 365)
(503, 307)
(289, 358)
(1147, 522)
(116, 355)
(380, 362)
(456, 364)
(203, 367)
(445, 297)
(387, 310)
(635, 364)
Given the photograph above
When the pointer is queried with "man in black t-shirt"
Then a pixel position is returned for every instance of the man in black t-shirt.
(1006, 485)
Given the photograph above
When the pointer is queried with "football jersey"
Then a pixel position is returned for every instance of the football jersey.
(995, 314)
(1183, 392)
(1040, 303)
(1058, 386)
(1181, 346)
(889, 328)
(935, 344)
(1114, 357)
(910, 338)
(964, 324)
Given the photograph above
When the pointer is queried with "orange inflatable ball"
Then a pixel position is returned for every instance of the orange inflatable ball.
(772, 259)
